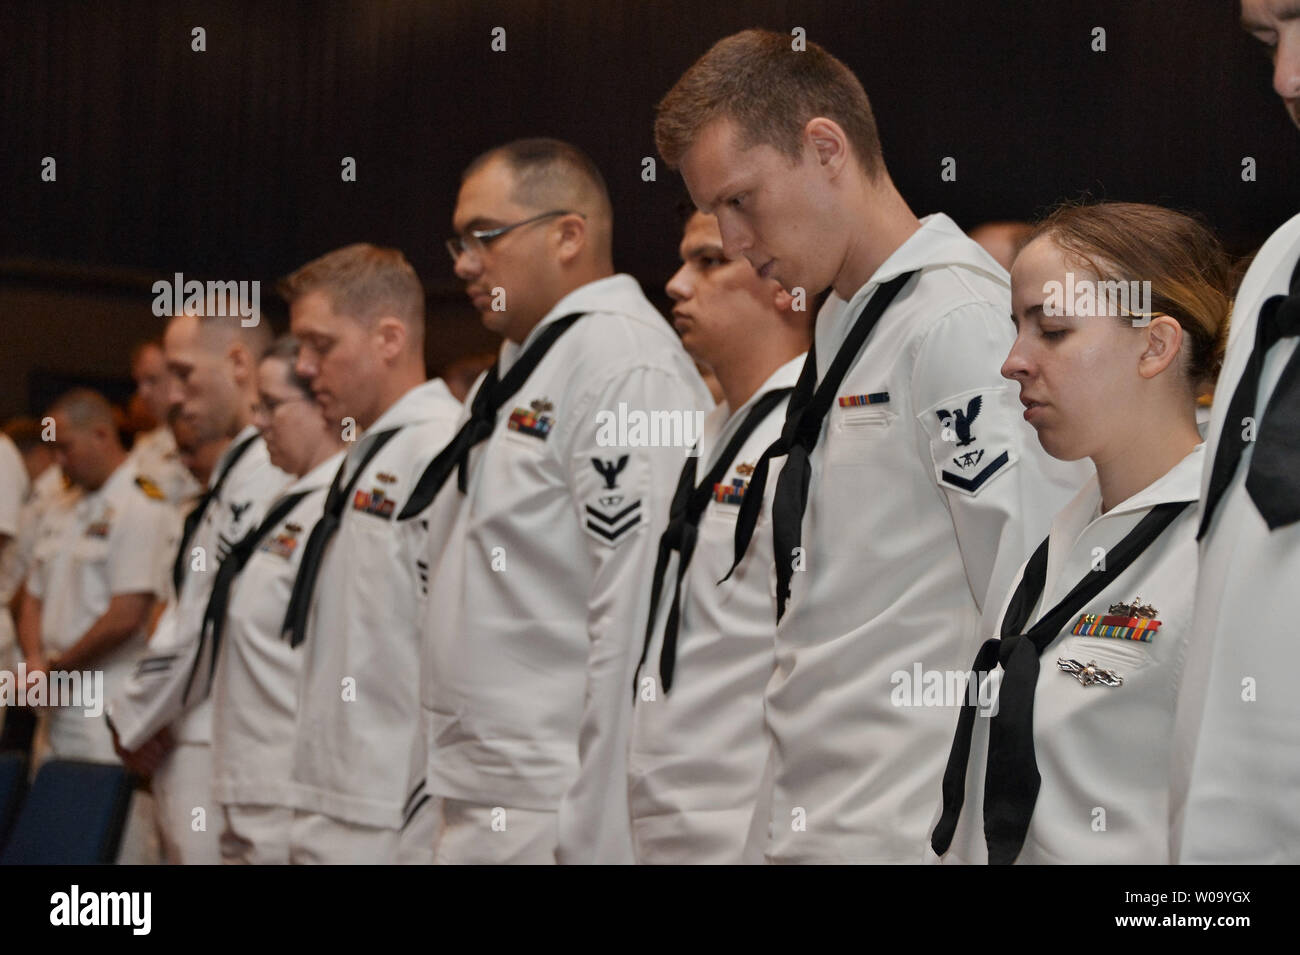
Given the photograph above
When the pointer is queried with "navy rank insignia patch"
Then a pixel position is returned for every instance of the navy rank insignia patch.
(535, 420)
(613, 522)
(1131, 621)
(284, 543)
(609, 470)
(857, 401)
(961, 421)
(374, 501)
(609, 515)
(151, 490)
(969, 444)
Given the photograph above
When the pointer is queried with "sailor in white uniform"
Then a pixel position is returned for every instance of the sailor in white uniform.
(699, 746)
(1237, 752)
(15, 486)
(541, 536)
(255, 688)
(358, 764)
(95, 578)
(45, 486)
(909, 487)
(15, 491)
(214, 361)
(95, 573)
(1061, 753)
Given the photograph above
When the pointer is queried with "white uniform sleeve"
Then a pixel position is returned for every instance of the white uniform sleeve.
(152, 696)
(985, 459)
(36, 572)
(621, 497)
(147, 530)
(14, 486)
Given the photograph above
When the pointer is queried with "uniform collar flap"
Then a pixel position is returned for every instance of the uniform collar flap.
(418, 404)
(937, 244)
(248, 432)
(1182, 482)
(319, 476)
(619, 293)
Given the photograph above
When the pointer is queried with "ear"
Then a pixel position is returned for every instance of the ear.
(570, 234)
(390, 336)
(828, 143)
(242, 367)
(1164, 340)
(782, 299)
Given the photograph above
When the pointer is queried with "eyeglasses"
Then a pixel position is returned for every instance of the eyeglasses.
(476, 241)
(267, 408)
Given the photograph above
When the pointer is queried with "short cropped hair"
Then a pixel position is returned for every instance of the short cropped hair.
(770, 91)
(550, 173)
(84, 408)
(217, 332)
(363, 281)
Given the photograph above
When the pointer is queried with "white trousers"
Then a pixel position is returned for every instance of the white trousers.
(317, 839)
(255, 835)
(475, 834)
(188, 816)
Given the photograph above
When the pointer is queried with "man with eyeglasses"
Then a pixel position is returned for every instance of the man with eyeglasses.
(162, 724)
(357, 787)
(541, 546)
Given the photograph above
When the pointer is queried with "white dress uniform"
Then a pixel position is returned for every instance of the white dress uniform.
(255, 690)
(1237, 748)
(15, 489)
(14, 485)
(158, 458)
(47, 491)
(91, 548)
(1102, 751)
(155, 694)
(698, 752)
(539, 593)
(927, 490)
(358, 757)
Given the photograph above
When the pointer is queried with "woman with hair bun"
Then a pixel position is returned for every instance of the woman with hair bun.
(1062, 756)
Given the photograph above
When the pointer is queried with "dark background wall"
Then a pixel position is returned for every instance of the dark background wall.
(226, 163)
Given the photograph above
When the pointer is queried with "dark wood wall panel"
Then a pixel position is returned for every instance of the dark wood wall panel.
(225, 163)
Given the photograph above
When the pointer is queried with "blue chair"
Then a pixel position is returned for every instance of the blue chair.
(13, 785)
(74, 814)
